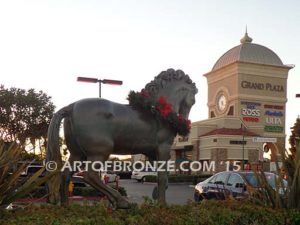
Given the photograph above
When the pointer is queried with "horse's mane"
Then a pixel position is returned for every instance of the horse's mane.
(165, 78)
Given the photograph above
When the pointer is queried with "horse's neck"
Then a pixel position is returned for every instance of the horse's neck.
(172, 97)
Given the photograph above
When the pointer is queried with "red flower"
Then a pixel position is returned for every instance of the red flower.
(164, 107)
(189, 124)
(162, 100)
(166, 110)
(161, 109)
(180, 118)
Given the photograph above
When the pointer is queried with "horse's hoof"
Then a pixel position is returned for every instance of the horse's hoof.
(123, 204)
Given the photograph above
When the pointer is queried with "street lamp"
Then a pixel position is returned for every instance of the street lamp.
(243, 144)
(95, 80)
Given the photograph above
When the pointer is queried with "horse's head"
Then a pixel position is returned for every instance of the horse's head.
(178, 89)
(186, 103)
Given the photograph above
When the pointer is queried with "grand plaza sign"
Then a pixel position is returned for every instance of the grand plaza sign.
(262, 86)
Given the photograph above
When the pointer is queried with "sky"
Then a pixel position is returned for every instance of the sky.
(46, 45)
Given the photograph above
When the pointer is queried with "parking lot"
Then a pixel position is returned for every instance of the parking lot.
(176, 193)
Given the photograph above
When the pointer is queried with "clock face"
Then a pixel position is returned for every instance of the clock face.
(222, 102)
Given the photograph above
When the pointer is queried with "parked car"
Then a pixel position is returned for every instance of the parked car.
(110, 175)
(32, 169)
(232, 183)
(140, 176)
(79, 182)
(124, 174)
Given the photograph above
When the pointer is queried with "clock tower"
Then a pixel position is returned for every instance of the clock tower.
(247, 95)
(250, 82)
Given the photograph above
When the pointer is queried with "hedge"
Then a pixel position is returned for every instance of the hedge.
(207, 213)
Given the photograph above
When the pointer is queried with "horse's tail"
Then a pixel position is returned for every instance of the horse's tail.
(53, 156)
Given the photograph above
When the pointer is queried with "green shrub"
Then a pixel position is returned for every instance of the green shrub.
(38, 192)
(150, 178)
(11, 188)
(206, 213)
(86, 192)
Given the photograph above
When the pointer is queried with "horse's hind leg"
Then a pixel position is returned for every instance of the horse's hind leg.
(66, 177)
(92, 177)
(75, 155)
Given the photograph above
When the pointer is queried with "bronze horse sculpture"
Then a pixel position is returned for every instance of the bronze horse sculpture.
(94, 128)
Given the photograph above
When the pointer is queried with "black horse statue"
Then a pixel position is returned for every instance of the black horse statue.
(94, 128)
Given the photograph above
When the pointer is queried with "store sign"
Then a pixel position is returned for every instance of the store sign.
(273, 120)
(250, 105)
(264, 139)
(262, 86)
(276, 129)
(273, 113)
(250, 112)
(251, 119)
(273, 106)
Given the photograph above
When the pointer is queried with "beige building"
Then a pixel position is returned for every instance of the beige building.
(247, 95)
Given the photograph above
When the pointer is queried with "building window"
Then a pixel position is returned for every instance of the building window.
(212, 114)
(181, 156)
(183, 138)
(231, 111)
(237, 142)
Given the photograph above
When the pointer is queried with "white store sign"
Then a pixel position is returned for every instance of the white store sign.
(273, 120)
(264, 139)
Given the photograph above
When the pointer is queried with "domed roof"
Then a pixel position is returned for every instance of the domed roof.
(248, 52)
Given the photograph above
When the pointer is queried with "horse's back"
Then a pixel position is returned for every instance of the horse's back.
(96, 113)
(99, 120)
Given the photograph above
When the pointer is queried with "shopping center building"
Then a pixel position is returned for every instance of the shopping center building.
(247, 95)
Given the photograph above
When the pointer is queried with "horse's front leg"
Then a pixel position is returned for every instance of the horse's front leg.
(162, 174)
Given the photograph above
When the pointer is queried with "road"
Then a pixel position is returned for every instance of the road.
(176, 193)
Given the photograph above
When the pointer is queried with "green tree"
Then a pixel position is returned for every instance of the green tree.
(293, 138)
(24, 115)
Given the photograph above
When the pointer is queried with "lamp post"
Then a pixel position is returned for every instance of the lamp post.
(243, 146)
(95, 80)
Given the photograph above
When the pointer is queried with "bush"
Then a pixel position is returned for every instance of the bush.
(150, 178)
(86, 192)
(12, 187)
(206, 213)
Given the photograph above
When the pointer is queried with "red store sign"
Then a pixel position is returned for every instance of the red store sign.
(273, 106)
(251, 119)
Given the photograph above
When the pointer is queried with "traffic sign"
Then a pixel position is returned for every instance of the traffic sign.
(264, 139)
